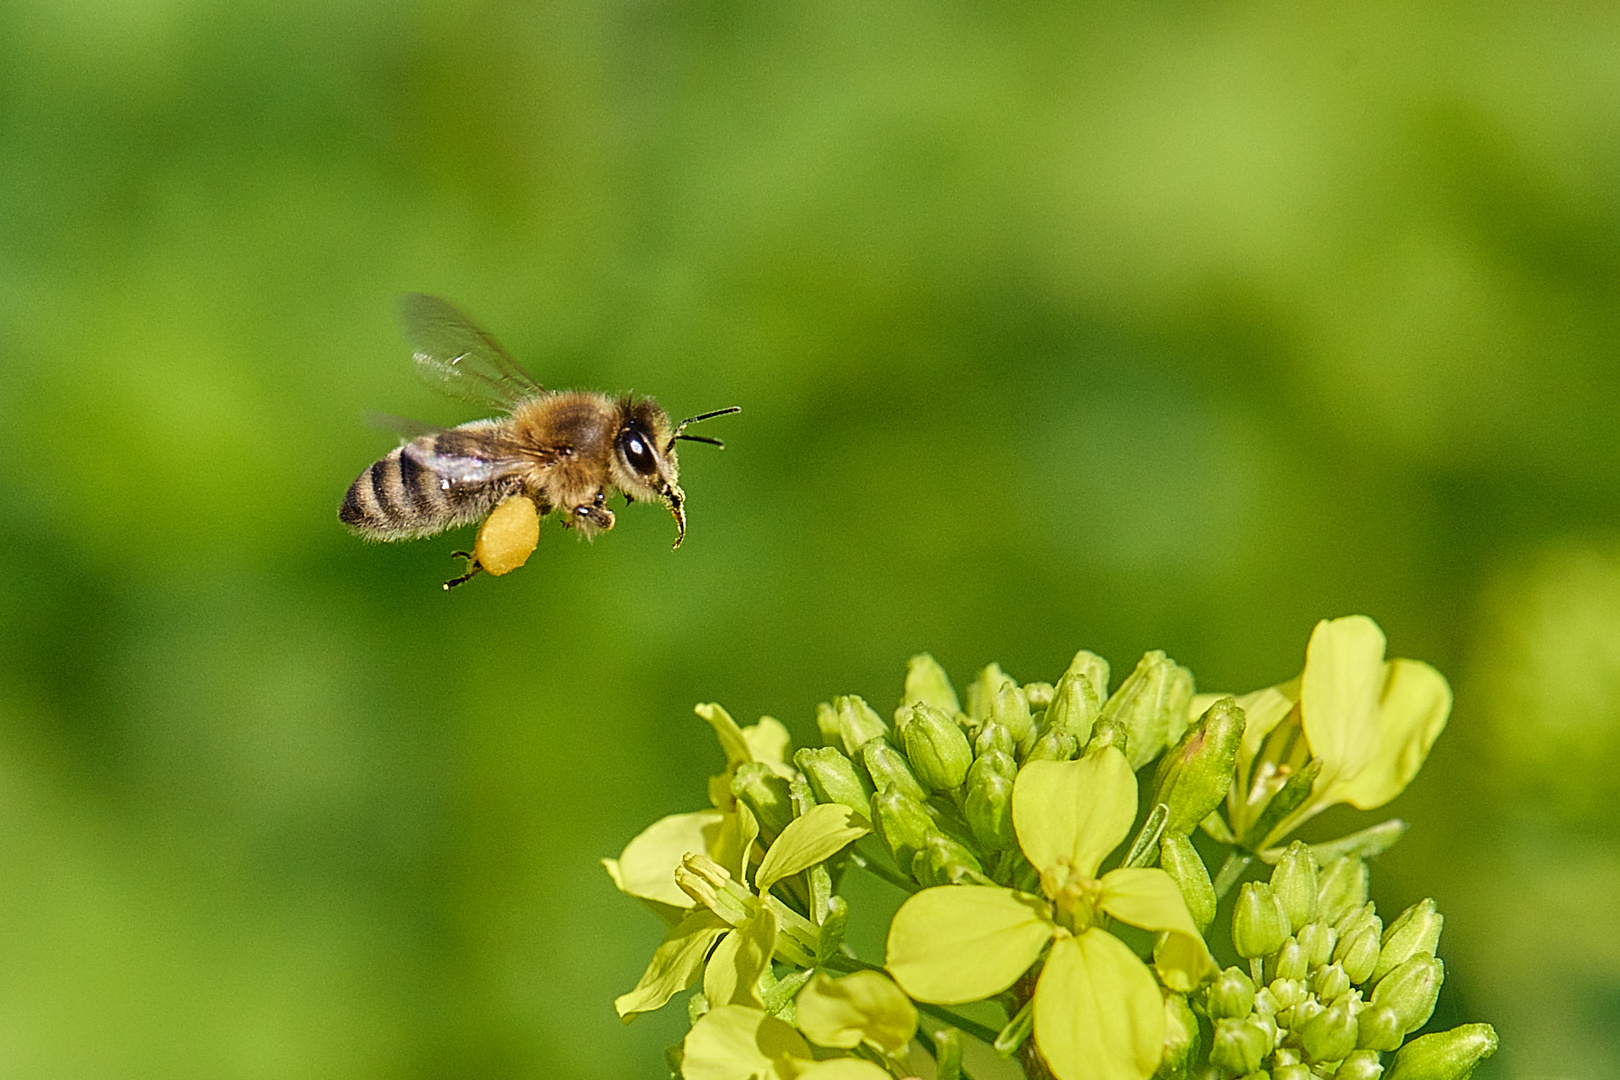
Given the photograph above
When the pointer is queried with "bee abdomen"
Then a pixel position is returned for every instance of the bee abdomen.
(399, 497)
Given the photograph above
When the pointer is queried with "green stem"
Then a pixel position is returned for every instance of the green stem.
(883, 873)
(1232, 869)
(977, 1030)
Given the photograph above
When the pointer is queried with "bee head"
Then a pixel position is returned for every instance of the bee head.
(644, 460)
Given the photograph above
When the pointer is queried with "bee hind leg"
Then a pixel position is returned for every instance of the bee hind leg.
(474, 568)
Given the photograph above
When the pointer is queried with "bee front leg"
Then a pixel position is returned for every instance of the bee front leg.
(594, 516)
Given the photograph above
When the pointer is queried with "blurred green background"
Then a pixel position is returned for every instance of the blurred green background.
(1169, 327)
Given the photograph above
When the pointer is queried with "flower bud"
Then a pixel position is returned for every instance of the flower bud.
(1288, 992)
(902, 824)
(1358, 952)
(1294, 1071)
(1009, 709)
(987, 803)
(1297, 1018)
(1318, 939)
(1231, 995)
(1359, 1065)
(1294, 882)
(1340, 888)
(1193, 777)
(1152, 705)
(1039, 695)
(1259, 924)
(1288, 962)
(1296, 788)
(927, 682)
(1239, 1045)
(1445, 1055)
(939, 752)
(857, 723)
(1357, 920)
(1331, 982)
(832, 733)
(1379, 1027)
(888, 767)
(1076, 704)
(833, 778)
(1108, 733)
(943, 861)
(1179, 859)
(993, 738)
(766, 794)
(1332, 1035)
(1411, 990)
(1180, 1038)
(1416, 931)
(981, 692)
(1054, 746)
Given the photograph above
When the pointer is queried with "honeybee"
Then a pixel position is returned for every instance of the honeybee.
(565, 450)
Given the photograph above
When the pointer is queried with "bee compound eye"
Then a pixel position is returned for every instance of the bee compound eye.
(637, 454)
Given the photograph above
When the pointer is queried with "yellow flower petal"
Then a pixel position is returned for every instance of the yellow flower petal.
(958, 943)
(734, 1041)
(1412, 712)
(1151, 900)
(864, 1007)
(674, 966)
(646, 868)
(732, 974)
(1344, 676)
(1074, 812)
(1098, 1011)
(820, 833)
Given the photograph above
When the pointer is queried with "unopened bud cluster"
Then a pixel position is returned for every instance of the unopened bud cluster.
(1329, 988)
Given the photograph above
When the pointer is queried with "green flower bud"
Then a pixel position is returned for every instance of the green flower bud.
(1359, 1065)
(1362, 917)
(1411, 990)
(942, 861)
(1294, 882)
(1300, 1016)
(1358, 952)
(981, 692)
(1341, 887)
(1108, 733)
(1192, 779)
(888, 767)
(1266, 1002)
(1231, 995)
(1445, 1055)
(833, 778)
(1295, 790)
(1239, 1045)
(1076, 704)
(1415, 932)
(1295, 1071)
(993, 738)
(1288, 962)
(1330, 983)
(1379, 1027)
(1180, 1039)
(857, 723)
(1054, 746)
(987, 803)
(1152, 705)
(832, 732)
(1332, 1035)
(902, 824)
(1259, 924)
(766, 794)
(1039, 695)
(1009, 709)
(1318, 939)
(1179, 859)
(1288, 992)
(939, 752)
(927, 682)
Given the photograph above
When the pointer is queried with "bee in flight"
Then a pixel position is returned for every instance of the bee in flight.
(565, 450)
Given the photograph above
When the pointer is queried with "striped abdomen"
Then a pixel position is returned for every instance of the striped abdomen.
(428, 485)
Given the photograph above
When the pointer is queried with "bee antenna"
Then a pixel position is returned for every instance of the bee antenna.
(684, 424)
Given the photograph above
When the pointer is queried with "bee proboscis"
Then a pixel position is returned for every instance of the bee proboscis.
(565, 450)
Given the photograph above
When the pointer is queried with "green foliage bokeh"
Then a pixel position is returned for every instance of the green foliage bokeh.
(1054, 327)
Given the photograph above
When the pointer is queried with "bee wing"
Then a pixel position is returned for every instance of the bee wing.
(454, 355)
(468, 457)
